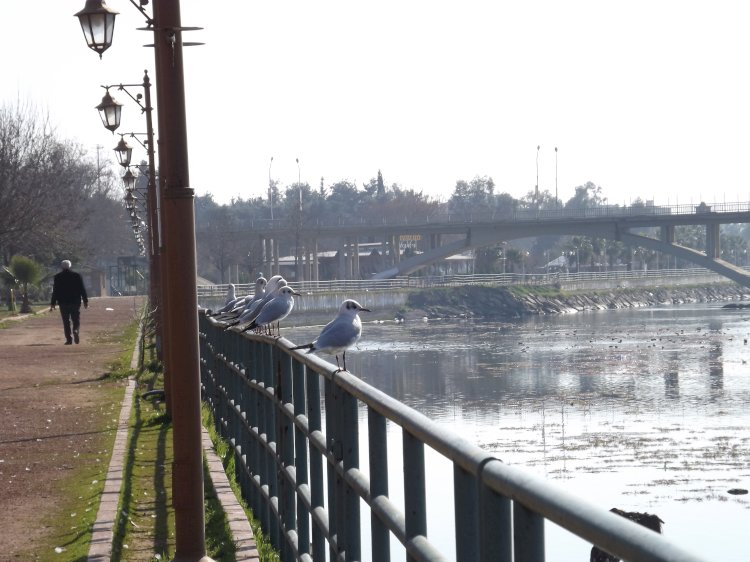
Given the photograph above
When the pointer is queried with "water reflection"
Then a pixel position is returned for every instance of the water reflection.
(644, 410)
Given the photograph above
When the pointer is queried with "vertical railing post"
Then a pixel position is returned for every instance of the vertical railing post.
(254, 449)
(332, 446)
(378, 439)
(495, 538)
(415, 505)
(300, 453)
(528, 535)
(285, 452)
(466, 509)
(262, 420)
(317, 497)
(350, 458)
(270, 378)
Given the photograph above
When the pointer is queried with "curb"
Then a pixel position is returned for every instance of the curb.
(103, 535)
(239, 526)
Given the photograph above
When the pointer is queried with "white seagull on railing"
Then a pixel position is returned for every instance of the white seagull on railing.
(274, 310)
(340, 333)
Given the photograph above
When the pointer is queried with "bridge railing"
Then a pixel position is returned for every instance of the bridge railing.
(501, 214)
(402, 283)
(298, 427)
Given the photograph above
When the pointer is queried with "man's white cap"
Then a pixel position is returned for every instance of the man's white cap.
(66, 264)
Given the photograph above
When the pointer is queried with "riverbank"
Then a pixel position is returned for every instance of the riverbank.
(518, 301)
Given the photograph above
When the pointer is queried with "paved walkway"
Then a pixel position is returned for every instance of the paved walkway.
(54, 400)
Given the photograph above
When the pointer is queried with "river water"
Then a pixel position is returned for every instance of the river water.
(643, 409)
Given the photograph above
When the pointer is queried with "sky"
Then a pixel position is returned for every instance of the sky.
(646, 99)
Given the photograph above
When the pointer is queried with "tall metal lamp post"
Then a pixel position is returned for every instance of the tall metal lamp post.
(110, 112)
(297, 254)
(536, 188)
(179, 256)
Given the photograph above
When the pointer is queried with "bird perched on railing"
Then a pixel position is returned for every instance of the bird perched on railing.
(274, 310)
(252, 309)
(240, 305)
(231, 294)
(340, 333)
(233, 307)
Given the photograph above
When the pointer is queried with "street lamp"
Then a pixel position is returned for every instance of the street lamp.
(124, 152)
(110, 110)
(536, 189)
(111, 114)
(98, 24)
(270, 187)
(129, 179)
(179, 271)
(129, 200)
(297, 255)
(557, 203)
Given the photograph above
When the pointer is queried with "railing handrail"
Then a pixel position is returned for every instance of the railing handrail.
(469, 279)
(517, 215)
(266, 401)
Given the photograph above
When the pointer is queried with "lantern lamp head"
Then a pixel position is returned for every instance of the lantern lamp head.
(98, 25)
(124, 152)
(129, 180)
(110, 110)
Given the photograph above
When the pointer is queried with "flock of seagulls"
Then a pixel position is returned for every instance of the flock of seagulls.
(273, 300)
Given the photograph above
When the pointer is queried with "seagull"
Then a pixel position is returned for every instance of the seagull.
(274, 310)
(252, 310)
(231, 294)
(231, 305)
(235, 308)
(340, 333)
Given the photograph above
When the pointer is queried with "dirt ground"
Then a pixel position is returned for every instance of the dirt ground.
(57, 414)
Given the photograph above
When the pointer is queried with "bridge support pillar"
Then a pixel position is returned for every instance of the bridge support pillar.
(667, 234)
(342, 260)
(266, 245)
(275, 268)
(356, 273)
(315, 273)
(713, 246)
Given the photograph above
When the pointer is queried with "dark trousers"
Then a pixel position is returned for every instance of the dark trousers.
(70, 313)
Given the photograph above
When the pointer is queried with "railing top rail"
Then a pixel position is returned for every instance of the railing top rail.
(517, 214)
(474, 279)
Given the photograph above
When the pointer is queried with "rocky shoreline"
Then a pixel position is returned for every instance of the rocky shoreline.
(505, 302)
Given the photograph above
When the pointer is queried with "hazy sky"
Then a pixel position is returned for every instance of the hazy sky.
(644, 98)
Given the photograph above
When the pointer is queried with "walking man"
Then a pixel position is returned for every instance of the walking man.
(68, 291)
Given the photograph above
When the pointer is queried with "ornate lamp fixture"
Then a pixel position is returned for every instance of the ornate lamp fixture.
(110, 110)
(98, 25)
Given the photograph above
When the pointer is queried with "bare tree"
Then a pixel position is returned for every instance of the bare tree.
(43, 181)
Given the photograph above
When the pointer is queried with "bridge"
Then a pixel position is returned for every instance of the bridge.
(445, 235)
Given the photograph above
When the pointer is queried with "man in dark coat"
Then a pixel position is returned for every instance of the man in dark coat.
(68, 291)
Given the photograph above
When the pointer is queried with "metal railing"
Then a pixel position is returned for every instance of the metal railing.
(519, 214)
(457, 280)
(294, 424)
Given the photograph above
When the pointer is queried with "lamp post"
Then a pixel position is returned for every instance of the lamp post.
(179, 276)
(557, 202)
(297, 254)
(110, 112)
(270, 188)
(536, 188)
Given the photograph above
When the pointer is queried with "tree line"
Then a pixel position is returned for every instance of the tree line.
(58, 200)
